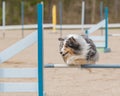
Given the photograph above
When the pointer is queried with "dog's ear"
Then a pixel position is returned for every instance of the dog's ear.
(72, 39)
(73, 43)
(61, 39)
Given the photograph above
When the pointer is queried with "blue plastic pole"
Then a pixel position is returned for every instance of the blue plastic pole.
(40, 50)
(106, 28)
(3, 17)
(22, 17)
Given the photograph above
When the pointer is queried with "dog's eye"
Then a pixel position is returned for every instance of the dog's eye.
(66, 46)
(61, 45)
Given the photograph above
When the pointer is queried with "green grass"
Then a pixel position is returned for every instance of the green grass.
(100, 49)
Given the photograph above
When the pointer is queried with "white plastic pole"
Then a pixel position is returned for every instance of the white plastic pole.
(3, 18)
(83, 15)
(18, 47)
(18, 73)
(18, 87)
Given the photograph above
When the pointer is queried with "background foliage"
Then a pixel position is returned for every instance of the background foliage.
(71, 11)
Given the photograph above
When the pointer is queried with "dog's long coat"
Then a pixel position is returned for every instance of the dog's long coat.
(78, 49)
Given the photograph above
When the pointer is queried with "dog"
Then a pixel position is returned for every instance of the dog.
(78, 50)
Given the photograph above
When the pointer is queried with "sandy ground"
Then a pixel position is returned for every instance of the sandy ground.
(26, 58)
(65, 81)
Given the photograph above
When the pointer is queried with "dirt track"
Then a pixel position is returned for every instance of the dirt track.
(65, 82)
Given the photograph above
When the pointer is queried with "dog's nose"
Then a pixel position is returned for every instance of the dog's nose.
(60, 52)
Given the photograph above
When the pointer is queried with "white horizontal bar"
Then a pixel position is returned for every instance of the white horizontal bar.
(78, 26)
(64, 26)
(116, 25)
(114, 34)
(97, 38)
(18, 87)
(32, 26)
(100, 45)
(18, 73)
(18, 47)
(74, 26)
(58, 66)
(47, 25)
(96, 27)
(61, 65)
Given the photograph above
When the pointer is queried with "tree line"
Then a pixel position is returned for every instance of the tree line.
(71, 11)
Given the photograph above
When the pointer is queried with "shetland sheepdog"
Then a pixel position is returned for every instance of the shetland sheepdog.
(78, 50)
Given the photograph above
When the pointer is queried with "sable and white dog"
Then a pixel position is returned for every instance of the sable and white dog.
(78, 49)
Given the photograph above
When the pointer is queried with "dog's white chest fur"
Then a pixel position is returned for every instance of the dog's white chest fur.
(76, 60)
(76, 50)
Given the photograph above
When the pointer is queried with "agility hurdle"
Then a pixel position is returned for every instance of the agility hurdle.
(18, 86)
(100, 41)
(40, 57)
(24, 72)
(18, 47)
(18, 72)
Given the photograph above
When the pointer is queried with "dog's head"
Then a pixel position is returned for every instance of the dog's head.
(68, 46)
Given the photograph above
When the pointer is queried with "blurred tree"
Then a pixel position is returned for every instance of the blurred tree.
(93, 11)
(116, 4)
(71, 11)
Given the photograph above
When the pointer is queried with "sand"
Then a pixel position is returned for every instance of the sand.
(65, 81)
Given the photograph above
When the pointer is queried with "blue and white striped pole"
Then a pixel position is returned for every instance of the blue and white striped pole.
(40, 50)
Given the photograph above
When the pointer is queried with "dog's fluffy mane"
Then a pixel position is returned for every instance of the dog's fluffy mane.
(78, 49)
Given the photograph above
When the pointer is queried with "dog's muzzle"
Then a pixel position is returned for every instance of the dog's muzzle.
(64, 53)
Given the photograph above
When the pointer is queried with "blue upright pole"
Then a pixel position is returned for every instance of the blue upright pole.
(106, 30)
(22, 17)
(40, 50)
(106, 27)
(3, 17)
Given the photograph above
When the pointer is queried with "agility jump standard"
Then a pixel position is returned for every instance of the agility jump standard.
(18, 47)
(100, 41)
(18, 72)
(40, 55)
(24, 72)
